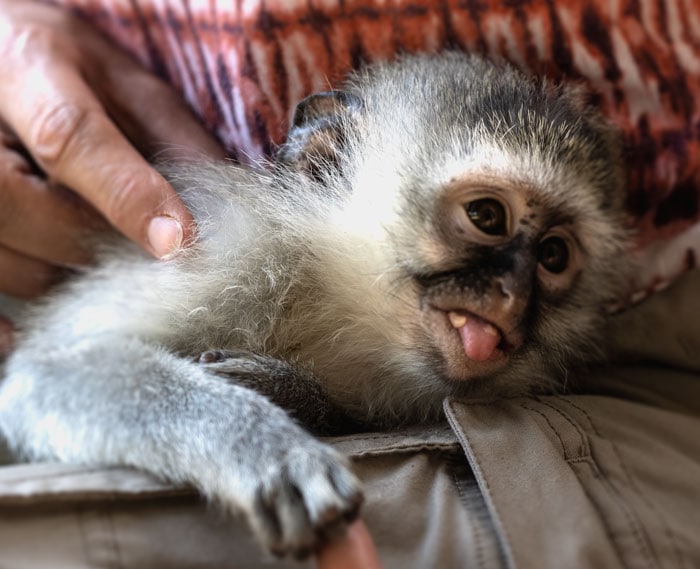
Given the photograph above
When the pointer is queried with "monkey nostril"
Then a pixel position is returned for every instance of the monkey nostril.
(505, 288)
(511, 295)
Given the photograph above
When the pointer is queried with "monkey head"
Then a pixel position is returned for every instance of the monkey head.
(493, 206)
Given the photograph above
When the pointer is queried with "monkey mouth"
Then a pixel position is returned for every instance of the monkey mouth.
(472, 345)
(482, 340)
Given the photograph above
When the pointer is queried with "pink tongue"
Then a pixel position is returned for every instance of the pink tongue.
(480, 339)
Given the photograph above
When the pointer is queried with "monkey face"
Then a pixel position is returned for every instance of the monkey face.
(505, 218)
(496, 250)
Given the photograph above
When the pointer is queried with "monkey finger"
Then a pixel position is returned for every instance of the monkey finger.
(25, 277)
(39, 220)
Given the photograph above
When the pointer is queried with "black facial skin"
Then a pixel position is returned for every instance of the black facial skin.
(483, 264)
(514, 264)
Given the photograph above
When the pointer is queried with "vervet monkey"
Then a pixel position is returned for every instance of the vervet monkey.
(442, 226)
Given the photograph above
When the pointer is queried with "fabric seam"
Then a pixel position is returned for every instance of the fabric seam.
(680, 558)
(501, 531)
(610, 489)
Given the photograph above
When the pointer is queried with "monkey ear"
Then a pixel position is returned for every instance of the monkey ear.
(318, 132)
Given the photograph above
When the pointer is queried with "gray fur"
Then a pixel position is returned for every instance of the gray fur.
(314, 272)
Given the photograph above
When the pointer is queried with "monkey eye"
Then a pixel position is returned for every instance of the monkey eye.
(488, 215)
(553, 254)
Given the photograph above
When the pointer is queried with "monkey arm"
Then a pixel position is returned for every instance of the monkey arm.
(293, 388)
(117, 400)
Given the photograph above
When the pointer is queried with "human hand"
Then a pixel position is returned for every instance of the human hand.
(71, 105)
(355, 550)
(6, 336)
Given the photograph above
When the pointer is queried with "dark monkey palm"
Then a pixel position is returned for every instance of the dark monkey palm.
(442, 226)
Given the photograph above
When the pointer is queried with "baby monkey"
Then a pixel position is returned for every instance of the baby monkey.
(442, 226)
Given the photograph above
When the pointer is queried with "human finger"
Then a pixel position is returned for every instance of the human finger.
(24, 277)
(355, 550)
(68, 133)
(38, 219)
(6, 337)
(166, 129)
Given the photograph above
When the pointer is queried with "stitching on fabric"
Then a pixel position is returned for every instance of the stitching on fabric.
(585, 445)
(15, 501)
(672, 538)
(579, 459)
(376, 438)
(583, 412)
(384, 436)
(504, 539)
(83, 535)
(450, 449)
(633, 523)
(612, 491)
(473, 526)
(114, 542)
(604, 522)
(551, 426)
(474, 521)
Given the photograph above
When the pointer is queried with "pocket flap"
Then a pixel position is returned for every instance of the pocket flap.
(521, 460)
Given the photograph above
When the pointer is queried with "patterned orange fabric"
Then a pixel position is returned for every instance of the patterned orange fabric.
(243, 64)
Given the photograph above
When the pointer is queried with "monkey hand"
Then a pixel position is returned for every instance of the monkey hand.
(302, 500)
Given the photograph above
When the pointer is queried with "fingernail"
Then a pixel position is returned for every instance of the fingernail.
(165, 236)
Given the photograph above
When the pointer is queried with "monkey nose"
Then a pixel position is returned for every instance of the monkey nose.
(512, 295)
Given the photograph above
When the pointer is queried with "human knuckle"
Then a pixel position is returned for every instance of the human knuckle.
(58, 130)
(22, 40)
(124, 189)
